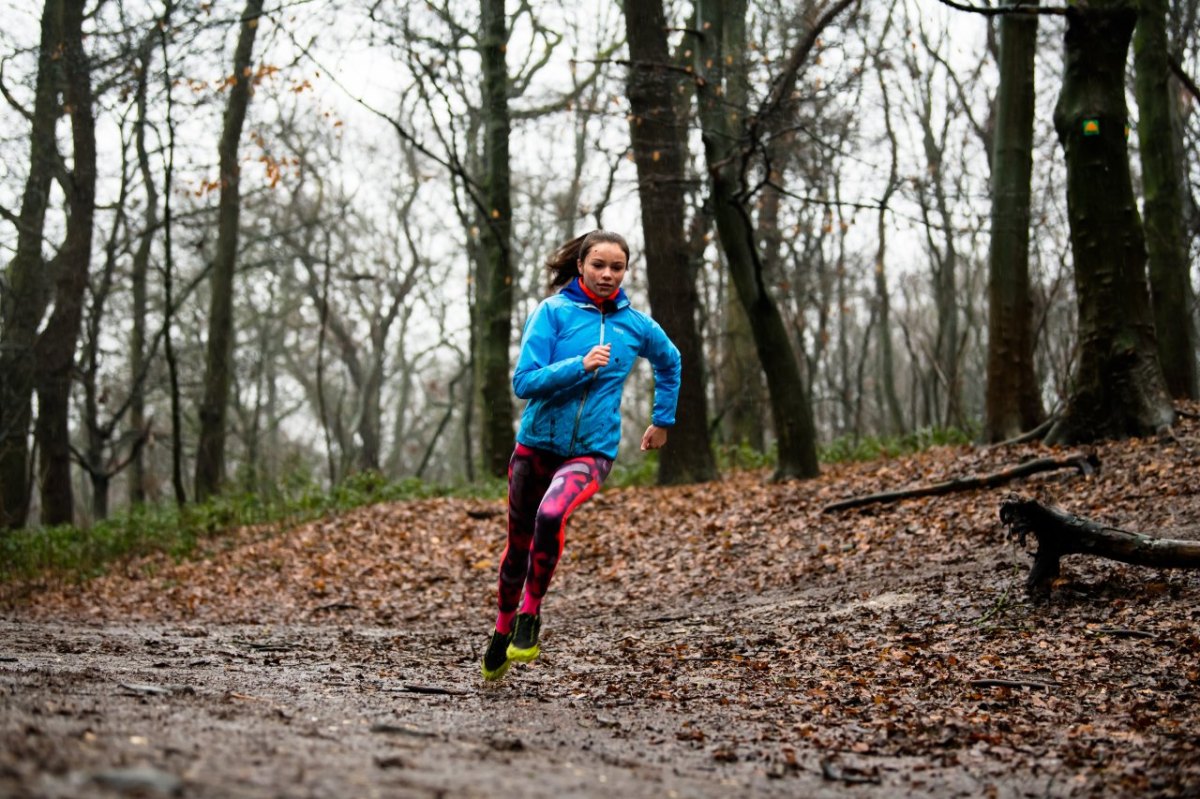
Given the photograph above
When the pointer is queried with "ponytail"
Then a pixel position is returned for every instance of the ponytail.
(563, 263)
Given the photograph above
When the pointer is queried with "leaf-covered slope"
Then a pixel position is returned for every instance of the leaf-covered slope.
(737, 619)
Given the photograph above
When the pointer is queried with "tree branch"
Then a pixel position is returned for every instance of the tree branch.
(1184, 78)
(1085, 464)
(1060, 533)
(787, 79)
(1017, 8)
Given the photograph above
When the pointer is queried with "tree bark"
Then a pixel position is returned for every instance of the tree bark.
(55, 347)
(1162, 166)
(210, 450)
(1119, 388)
(1060, 533)
(27, 292)
(890, 399)
(743, 400)
(658, 137)
(1013, 402)
(496, 279)
(168, 270)
(139, 269)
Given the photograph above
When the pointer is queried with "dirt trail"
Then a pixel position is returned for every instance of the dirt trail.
(712, 641)
(313, 710)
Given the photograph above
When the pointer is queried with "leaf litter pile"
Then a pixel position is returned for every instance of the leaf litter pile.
(697, 641)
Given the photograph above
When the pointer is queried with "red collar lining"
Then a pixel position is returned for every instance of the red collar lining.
(597, 300)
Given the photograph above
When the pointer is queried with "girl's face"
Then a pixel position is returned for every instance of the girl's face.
(603, 268)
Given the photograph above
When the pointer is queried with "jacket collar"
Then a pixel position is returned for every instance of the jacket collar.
(576, 291)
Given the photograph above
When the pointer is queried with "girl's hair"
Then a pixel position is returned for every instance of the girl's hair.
(563, 263)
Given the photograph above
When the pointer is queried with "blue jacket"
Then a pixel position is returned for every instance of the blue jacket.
(574, 412)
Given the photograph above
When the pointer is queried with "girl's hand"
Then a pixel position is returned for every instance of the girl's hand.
(597, 357)
(654, 438)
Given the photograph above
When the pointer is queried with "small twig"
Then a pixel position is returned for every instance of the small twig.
(402, 729)
(412, 688)
(1028, 435)
(335, 606)
(849, 776)
(999, 683)
(1123, 632)
(246, 697)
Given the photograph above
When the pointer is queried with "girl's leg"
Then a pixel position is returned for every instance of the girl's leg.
(529, 475)
(573, 483)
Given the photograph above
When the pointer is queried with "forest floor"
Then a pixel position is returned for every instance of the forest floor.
(728, 639)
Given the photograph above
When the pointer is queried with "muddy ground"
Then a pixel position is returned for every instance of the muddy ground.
(698, 642)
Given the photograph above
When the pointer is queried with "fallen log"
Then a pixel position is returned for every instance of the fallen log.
(1060, 533)
(1086, 464)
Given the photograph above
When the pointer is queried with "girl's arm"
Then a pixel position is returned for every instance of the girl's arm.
(535, 375)
(664, 358)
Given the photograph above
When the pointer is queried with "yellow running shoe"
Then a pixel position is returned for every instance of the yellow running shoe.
(524, 646)
(495, 659)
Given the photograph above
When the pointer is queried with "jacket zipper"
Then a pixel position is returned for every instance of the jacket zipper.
(586, 391)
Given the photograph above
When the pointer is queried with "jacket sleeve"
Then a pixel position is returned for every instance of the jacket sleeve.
(535, 376)
(664, 358)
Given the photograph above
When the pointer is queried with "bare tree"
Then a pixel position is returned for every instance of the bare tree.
(1013, 397)
(1162, 162)
(731, 140)
(26, 290)
(55, 346)
(210, 454)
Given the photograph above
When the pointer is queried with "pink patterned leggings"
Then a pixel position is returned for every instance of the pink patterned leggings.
(543, 490)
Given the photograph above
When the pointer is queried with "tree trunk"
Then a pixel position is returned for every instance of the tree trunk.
(139, 268)
(743, 401)
(1162, 166)
(495, 286)
(658, 136)
(210, 450)
(720, 53)
(55, 347)
(1013, 402)
(370, 420)
(27, 293)
(1119, 388)
(168, 271)
(891, 410)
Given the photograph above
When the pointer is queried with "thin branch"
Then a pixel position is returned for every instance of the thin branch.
(997, 683)
(787, 79)
(1184, 78)
(12, 101)
(1015, 9)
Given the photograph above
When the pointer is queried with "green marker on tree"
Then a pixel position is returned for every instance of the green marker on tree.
(1091, 127)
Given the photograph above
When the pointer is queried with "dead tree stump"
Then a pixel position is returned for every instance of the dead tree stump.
(1060, 533)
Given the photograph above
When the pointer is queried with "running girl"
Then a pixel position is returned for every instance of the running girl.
(577, 349)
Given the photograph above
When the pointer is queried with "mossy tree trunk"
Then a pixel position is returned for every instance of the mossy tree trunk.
(1013, 402)
(55, 347)
(210, 451)
(1162, 166)
(24, 301)
(1118, 386)
(495, 286)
